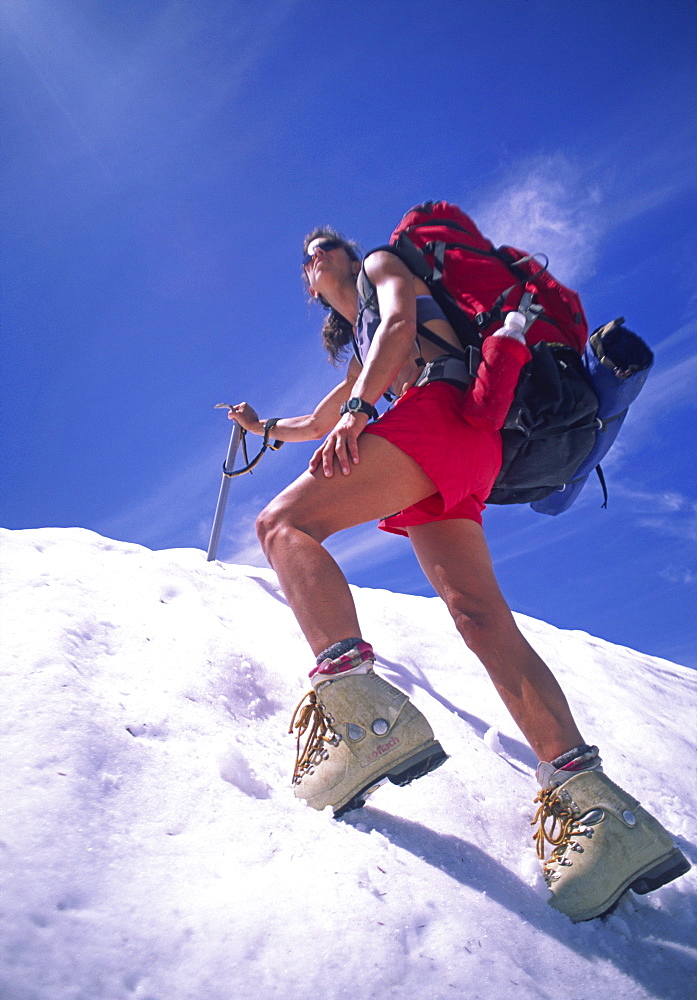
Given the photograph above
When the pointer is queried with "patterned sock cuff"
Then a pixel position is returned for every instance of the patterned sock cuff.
(581, 758)
(337, 649)
(355, 656)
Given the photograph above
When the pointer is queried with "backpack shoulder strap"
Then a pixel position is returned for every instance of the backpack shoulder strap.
(421, 269)
(366, 289)
(410, 255)
(413, 258)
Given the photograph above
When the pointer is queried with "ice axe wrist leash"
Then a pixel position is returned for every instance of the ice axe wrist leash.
(249, 465)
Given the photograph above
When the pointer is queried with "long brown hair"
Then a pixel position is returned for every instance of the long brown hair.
(336, 330)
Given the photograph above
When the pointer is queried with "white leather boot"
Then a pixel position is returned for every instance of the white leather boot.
(359, 731)
(603, 843)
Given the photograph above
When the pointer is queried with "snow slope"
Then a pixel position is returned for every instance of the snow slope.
(152, 848)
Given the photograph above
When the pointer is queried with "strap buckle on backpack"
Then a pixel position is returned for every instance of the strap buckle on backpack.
(456, 371)
(530, 309)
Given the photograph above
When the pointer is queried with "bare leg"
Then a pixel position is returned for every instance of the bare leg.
(293, 526)
(455, 558)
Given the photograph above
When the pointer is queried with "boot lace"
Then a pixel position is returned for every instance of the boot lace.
(313, 729)
(558, 835)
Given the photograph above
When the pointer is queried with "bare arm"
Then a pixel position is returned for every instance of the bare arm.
(395, 336)
(310, 427)
(389, 350)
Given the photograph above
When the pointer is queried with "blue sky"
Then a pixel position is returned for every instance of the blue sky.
(161, 163)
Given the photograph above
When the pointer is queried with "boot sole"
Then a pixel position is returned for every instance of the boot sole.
(419, 764)
(675, 865)
(672, 867)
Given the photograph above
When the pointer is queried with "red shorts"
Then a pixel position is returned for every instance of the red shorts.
(462, 461)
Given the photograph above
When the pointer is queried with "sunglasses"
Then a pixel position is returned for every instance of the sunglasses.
(325, 245)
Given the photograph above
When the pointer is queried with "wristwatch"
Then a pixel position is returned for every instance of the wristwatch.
(357, 405)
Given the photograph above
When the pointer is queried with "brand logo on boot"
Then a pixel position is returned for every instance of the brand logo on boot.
(384, 748)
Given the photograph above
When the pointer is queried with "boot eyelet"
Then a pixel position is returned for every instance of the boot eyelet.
(593, 817)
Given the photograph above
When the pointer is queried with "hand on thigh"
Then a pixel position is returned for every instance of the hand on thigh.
(385, 480)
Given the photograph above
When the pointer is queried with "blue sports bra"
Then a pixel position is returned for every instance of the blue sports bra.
(427, 308)
(368, 321)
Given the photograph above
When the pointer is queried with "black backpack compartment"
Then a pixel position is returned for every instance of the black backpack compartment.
(550, 428)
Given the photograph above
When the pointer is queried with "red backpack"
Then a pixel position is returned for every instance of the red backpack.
(475, 282)
(552, 424)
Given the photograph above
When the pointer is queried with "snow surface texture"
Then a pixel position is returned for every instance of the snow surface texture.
(153, 849)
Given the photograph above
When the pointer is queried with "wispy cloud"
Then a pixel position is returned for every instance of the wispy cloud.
(657, 166)
(178, 500)
(239, 543)
(565, 205)
(683, 339)
(669, 388)
(529, 539)
(672, 514)
(682, 575)
(548, 204)
(365, 545)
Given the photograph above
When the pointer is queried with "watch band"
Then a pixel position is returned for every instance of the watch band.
(357, 405)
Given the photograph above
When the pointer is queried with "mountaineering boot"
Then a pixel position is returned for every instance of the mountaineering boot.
(603, 843)
(361, 731)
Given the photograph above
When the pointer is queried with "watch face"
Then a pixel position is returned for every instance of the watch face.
(357, 405)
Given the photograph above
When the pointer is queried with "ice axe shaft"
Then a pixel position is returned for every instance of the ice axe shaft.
(235, 439)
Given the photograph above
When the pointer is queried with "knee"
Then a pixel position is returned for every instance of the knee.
(271, 524)
(481, 625)
(472, 624)
(280, 524)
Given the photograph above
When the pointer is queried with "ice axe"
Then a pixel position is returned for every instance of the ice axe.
(238, 435)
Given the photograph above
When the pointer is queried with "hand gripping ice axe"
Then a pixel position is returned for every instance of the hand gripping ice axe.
(238, 435)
